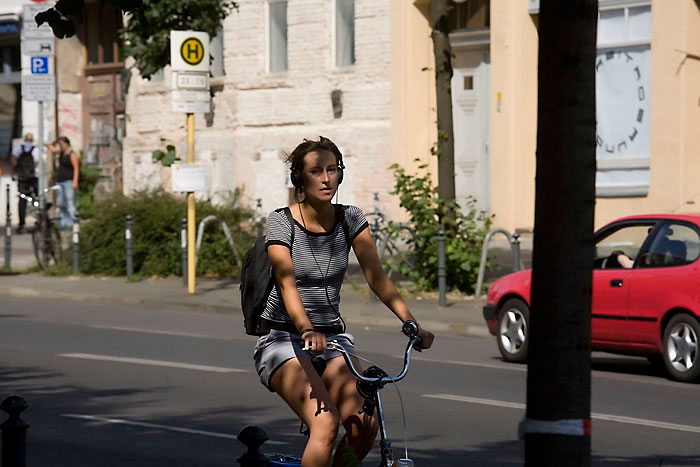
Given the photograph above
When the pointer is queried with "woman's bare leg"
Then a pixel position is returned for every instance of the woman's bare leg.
(360, 429)
(298, 383)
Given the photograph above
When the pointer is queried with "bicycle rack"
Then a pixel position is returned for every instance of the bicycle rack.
(514, 241)
(227, 232)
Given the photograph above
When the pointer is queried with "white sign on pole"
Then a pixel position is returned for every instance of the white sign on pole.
(39, 87)
(189, 51)
(190, 178)
(191, 107)
(29, 27)
(189, 60)
(190, 80)
(45, 47)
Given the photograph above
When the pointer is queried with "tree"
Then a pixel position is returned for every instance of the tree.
(146, 35)
(439, 21)
(557, 423)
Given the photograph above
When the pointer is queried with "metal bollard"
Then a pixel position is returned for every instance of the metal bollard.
(183, 246)
(8, 233)
(515, 247)
(14, 432)
(129, 248)
(442, 269)
(252, 437)
(374, 233)
(76, 244)
(258, 215)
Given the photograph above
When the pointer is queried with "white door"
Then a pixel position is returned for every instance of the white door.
(470, 115)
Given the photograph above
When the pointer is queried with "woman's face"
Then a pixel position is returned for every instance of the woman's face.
(320, 175)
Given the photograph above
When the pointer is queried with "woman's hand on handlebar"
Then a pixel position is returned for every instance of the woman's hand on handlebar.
(315, 342)
(426, 339)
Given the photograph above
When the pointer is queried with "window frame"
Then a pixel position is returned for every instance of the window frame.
(607, 165)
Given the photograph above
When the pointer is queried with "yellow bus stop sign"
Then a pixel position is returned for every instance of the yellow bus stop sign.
(192, 51)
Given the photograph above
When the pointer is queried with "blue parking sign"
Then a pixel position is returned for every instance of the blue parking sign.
(40, 65)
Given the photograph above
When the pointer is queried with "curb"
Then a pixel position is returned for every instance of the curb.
(366, 322)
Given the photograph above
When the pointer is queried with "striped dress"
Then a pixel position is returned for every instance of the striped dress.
(320, 261)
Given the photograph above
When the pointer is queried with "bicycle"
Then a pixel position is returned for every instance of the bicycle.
(369, 383)
(46, 241)
(388, 235)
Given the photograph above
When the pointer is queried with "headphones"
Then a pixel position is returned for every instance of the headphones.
(298, 180)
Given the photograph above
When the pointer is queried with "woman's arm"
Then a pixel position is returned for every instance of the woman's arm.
(76, 169)
(380, 283)
(283, 268)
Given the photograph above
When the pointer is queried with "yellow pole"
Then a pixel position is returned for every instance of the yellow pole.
(191, 252)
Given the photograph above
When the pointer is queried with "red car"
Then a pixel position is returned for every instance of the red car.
(646, 295)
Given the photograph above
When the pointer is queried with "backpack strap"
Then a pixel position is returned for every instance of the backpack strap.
(340, 214)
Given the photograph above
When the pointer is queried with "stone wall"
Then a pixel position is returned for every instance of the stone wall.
(257, 115)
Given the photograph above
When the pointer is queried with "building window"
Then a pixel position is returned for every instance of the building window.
(344, 32)
(102, 21)
(277, 46)
(623, 69)
(216, 49)
(471, 14)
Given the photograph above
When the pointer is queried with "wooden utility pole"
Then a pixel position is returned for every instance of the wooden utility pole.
(557, 426)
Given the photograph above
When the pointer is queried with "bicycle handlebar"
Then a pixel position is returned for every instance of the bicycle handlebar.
(410, 329)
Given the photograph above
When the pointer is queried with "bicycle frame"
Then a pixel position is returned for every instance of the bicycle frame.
(369, 386)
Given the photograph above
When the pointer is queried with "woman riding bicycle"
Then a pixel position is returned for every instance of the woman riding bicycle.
(302, 310)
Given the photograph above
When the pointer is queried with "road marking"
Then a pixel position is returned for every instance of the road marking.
(151, 331)
(594, 416)
(143, 361)
(154, 425)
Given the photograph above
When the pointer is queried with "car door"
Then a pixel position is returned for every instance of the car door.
(612, 281)
(667, 278)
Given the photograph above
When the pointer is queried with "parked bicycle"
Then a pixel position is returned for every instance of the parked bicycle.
(388, 236)
(369, 384)
(46, 237)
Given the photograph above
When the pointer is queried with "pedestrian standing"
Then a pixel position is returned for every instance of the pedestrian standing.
(308, 245)
(25, 160)
(67, 175)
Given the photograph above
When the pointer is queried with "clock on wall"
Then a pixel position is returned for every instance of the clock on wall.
(622, 103)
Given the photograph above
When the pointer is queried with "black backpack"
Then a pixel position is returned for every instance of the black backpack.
(25, 166)
(257, 279)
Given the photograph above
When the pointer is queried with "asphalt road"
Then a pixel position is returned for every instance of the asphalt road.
(113, 386)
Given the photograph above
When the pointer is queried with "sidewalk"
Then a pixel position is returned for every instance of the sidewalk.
(461, 317)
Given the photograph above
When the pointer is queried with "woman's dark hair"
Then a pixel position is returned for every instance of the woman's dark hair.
(64, 139)
(296, 158)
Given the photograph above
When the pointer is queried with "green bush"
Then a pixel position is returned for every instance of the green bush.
(156, 222)
(464, 234)
(88, 179)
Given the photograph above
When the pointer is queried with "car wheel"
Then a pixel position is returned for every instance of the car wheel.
(513, 328)
(680, 348)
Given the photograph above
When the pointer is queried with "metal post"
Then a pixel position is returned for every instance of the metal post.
(515, 246)
(183, 245)
(252, 437)
(129, 249)
(14, 432)
(191, 218)
(258, 215)
(374, 233)
(76, 244)
(8, 232)
(442, 269)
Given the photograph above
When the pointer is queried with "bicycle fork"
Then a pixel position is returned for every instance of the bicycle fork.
(385, 442)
